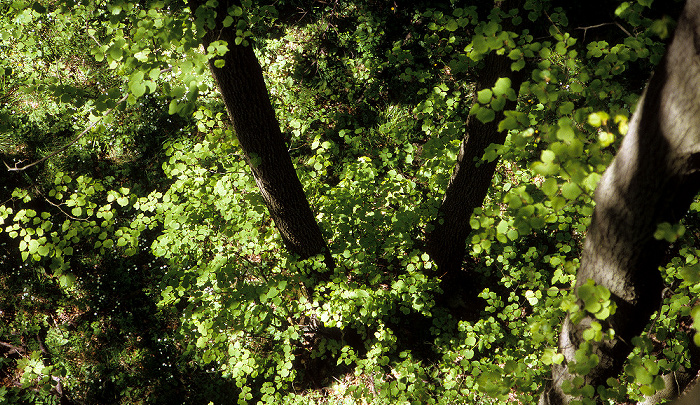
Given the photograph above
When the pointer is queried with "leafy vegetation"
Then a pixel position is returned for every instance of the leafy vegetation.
(140, 264)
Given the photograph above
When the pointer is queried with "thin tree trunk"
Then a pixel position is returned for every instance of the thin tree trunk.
(470, 181)
(245, 95)
(652, 180)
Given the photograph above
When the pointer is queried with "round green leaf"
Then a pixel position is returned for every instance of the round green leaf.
(484, 96)
(485, 115)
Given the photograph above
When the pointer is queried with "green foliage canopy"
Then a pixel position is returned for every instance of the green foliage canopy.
(373, 101)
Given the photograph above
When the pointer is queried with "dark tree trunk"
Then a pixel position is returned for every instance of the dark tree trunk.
(470, 181)
(244, 93)
(652, 179)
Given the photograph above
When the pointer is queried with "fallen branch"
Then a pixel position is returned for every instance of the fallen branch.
(13, 349)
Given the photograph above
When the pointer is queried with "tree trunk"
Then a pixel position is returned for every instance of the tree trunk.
(691, 395)
(470, 181)
(244, 93)
(652, 180)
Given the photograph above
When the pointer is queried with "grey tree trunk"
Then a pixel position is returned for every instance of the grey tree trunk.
(691, 396)
(652, 180)
(245, 95)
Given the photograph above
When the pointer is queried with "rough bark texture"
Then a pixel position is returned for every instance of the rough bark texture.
(470, 182)
(245, 95)
(674, 385)
(652, 179)
(691, 395)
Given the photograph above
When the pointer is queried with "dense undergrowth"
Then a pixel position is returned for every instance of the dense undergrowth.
(140, 265)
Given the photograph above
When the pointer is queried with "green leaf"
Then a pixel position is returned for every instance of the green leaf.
(621, 8)
(565, 131)
(548, 156)
(507, 124)
(642, 375)
(566, 108)
(597, 119)
(570, 191)
(174, 107)
(516, 54)
(513, 234)
(43, 250)
(502, 227)
(178, 92)
(691, 274)
(502, 86)
(498, 103)
(452, 25)
(586, 292)
(557, 358)
(484, 96)
(550, 187)
(116, 52)
(485, 115)
(606, 138)
(32, 246)
(546, 168)
(154, 73)
(67, 280)
(669, 232)
(647, 390)
(518, 65)
(137, 84)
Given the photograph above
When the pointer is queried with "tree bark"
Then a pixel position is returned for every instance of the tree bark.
(653, 179)
(470, 181)
(247, 102)
(691, 394)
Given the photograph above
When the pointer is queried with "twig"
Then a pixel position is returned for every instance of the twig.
(13, 349)
(87, 29)
(594, 26)
(623, 29)
(554, 25)
(58, 206)
(585, 29)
